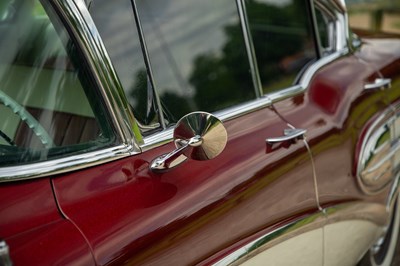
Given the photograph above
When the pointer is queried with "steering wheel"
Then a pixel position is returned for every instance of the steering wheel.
(25, 116)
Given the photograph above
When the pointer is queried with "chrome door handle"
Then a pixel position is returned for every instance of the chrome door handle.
(380, 83)
(290, 136)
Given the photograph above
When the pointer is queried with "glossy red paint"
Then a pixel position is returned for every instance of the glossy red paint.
(58, 243)
(131, 215)
(26, 205)
(122, 213)
(336, 110)
(35, 231)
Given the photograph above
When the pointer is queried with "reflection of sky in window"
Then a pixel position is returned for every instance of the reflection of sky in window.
(115, 22)
(178, 31)
(279, 3)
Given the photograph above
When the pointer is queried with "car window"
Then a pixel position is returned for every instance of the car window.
(283, 41)
(326, 30)
(48, 105)
(198, 54)
(117, 26)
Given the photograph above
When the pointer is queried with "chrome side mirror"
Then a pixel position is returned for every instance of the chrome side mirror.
(198, 136)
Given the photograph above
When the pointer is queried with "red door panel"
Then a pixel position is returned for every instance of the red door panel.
(58, 243)
(34, 230)
(131, 215)
(26, 205)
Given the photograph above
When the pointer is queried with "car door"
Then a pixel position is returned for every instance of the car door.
(261, 186)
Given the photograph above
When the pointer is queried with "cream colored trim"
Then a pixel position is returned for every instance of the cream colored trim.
(369, 217)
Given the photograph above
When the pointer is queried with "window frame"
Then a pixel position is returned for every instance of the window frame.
(338, 13)
(77, 21)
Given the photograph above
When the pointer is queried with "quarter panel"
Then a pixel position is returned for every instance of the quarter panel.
(337, 111)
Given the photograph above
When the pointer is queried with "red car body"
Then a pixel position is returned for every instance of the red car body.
(205, 212)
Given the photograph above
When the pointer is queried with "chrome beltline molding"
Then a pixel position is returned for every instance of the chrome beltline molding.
(63, 165)
(371, 212)
(267, 100)
(165, 136)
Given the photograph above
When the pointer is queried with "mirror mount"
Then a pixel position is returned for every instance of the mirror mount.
(199, 136)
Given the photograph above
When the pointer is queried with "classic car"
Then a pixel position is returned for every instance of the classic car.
(185, 132)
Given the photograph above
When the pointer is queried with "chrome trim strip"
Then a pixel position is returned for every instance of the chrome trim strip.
(394, 193)
(147, 61)
(375, 213)
(5, 259)
(339, 17)
(267, 100)
(272, 238)
(165, 136)
(243, 109)
(63, 165)
(305, 80)
(315, 28)
(250, 48)
(78, 19)
(384, 120)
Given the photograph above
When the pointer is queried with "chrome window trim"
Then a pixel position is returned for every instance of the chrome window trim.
(164, 137)
(251, 53)
(338, 30)
(317, 37)
(77, 19)
(147, 62)
(63, 165)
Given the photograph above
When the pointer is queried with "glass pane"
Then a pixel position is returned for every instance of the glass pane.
(198, 54)
(48, 105)
(326, 31)
(283, 40)
(117, 27)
